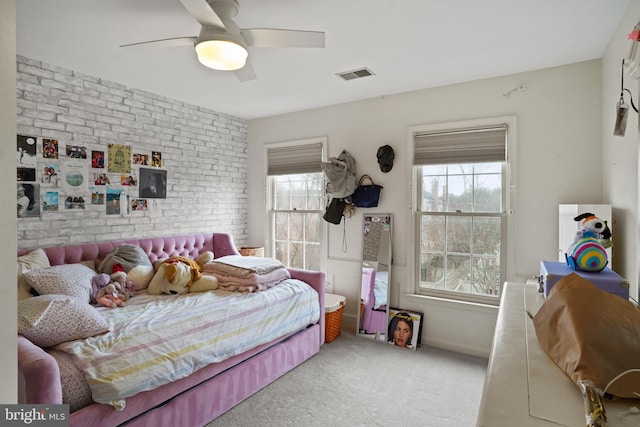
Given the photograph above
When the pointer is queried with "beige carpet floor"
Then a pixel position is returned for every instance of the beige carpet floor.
(358, 382)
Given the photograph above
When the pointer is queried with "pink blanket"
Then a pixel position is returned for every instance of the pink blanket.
(246, 274)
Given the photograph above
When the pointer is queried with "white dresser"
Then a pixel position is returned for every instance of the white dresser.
(523, 386)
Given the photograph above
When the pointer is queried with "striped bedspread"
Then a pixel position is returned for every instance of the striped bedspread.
(158, 339)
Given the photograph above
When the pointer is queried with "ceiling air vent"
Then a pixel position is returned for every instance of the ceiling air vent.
(355, 74)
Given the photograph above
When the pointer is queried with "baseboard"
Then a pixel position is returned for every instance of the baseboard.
(349, 324)
(462, 349)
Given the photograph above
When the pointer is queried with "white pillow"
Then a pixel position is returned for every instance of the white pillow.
(73, 280)
(49, 320)
(140, 275)
(32, 261)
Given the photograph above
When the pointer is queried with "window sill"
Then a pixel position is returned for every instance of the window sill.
(450, 302)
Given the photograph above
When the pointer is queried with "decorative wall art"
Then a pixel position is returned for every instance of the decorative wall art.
(26, 174)
(52, 185)
(116, 201)
(26, 151)
(76, 152)
(100, 179)
(119, 159)
(128, 180)
(156, 159)
(50, 175)
(153, 184)
(97, 159)
(405, 328)
(50, 148)
(28, 200)
(50, 201)
(75, 202)
(74, 178)
(141, 159)
(97, 195)
(138, 205)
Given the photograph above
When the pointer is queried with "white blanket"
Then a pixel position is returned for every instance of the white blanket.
(158, 339)
(240, 266)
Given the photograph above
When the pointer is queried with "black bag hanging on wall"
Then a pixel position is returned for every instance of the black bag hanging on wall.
(334, 211)
(366, 195)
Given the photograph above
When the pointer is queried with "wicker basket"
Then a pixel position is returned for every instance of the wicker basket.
(334, 306)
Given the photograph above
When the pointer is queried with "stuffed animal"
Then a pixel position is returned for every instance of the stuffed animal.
(111, 295)
(178, 275)
(98, 282)
(133, 261)
(587, 252)
(107, 292)
(118, 275)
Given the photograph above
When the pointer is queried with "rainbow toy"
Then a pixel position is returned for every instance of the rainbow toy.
(588, 251)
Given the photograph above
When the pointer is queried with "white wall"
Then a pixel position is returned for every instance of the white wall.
(620, 154)
(559, 130)
(204, 154)
(8, 294)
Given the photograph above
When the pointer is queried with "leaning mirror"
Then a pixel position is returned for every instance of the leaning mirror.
(376, 276)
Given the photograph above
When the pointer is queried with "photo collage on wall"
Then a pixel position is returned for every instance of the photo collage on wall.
(72, 177)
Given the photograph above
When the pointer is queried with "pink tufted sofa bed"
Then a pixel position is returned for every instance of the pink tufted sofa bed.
(203, 395)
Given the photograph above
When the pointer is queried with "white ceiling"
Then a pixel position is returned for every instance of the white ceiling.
(408, 44)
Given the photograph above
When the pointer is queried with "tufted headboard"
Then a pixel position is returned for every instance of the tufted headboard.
(187, 245)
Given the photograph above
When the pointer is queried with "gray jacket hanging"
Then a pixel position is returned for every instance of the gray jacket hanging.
(341, 175)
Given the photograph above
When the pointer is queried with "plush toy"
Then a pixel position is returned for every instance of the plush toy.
(107, 292)
(98, 282)
(178, 275)
(111, 295)
(587, 252)
(118, 275)
(133, 261)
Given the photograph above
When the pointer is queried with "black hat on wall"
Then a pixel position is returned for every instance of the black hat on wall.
(385, 158)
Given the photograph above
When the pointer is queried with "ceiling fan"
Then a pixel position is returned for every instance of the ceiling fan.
(221, 45)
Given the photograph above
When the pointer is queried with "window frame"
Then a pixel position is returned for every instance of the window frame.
(414, 216)
(270, 198)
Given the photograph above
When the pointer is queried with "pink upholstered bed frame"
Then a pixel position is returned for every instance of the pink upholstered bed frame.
(191, 401)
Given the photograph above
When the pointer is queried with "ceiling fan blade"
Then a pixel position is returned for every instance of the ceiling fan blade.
(271, 37)
(203, 13)
(178, 41)
(245, 73)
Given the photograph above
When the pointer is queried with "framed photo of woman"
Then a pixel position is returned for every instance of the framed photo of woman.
(405, 328)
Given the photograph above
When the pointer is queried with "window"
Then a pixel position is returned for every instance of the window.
(461, 202)
(295, 194)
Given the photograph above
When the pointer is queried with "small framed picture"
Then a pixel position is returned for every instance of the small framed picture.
(153, 184)
(28, 200)
(156, 159)
(405, 328)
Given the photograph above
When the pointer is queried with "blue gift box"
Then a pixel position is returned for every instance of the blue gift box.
(607, 279)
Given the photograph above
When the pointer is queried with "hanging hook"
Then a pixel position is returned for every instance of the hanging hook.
(519, 88)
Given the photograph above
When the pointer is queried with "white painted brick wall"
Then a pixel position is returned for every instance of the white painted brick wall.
(204, 153)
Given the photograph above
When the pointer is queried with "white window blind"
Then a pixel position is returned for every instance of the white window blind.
(294, 159)
(477, 145)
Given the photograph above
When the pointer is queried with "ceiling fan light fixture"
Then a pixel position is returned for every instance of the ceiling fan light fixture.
(221, 54)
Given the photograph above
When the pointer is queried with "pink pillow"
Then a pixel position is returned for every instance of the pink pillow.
(49, 320)
(73, 280)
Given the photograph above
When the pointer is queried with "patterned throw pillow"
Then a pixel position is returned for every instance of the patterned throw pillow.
(32, 261)
(73, 280)
(49, 320)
